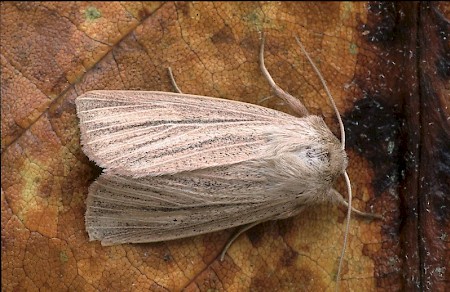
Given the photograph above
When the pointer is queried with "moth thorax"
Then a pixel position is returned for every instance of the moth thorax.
(327, 160)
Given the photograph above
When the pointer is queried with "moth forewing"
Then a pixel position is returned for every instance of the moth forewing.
(141, 133)
(151, 209)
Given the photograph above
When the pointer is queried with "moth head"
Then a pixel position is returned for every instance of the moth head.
(327, 152)
(329, 161)
(338, 160)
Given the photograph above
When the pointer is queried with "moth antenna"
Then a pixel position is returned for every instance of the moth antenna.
(330, 97)
(347, 179)
(172, 80)
(347, 228)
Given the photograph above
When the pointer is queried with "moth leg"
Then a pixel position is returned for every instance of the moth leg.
(172, 80)
(338, 197)
(235, 236)
(296, 105)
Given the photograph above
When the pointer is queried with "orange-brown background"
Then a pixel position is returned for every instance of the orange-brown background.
(386, 64)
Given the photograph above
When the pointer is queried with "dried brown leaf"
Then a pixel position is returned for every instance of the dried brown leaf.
(53, 51)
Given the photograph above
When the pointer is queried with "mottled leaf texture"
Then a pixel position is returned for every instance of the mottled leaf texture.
(387, 65)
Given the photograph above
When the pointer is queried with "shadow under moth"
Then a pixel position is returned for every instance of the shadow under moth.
(178, 165)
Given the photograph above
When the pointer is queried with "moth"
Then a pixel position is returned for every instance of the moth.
(178, 165)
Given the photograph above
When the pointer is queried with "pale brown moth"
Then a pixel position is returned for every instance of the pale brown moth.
(178, 165)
